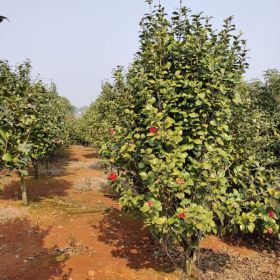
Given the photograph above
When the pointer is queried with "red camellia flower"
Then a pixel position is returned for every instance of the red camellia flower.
(181, 215)
(113, 177)
(271, 214)
(270, 230)
(153, 130)
(150, 203)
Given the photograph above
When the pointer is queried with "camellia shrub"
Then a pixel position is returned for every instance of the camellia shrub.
(257, 119)
(106, 115)
(170, 135)
(52, 127)
(33, 121)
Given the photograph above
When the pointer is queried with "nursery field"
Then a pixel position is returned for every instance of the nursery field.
(171, 173)
(73, 229)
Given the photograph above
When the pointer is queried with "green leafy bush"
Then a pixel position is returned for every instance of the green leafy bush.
(169, 129)
(33, 120)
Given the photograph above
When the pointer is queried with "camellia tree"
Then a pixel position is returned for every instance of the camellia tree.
(179, 149)
(78, 131)
(51, 129)
(260, 115)
(173, 144)
(106, 115)
(255, 131)
(32, 121)
(16, 119)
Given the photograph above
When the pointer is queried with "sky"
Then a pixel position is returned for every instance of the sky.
(76, 44)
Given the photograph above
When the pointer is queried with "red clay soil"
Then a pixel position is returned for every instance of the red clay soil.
(68, 233)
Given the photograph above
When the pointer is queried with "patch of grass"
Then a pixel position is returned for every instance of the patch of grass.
(12, 213)
(63, 206)
(60, 258)
(98, 165)
(87, 184)
(78, 165)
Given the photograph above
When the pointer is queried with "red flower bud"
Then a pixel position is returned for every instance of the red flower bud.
(150, 203)
(153, 130)
(181, 216)
(112, 177)
(271, 214)
(270, 230)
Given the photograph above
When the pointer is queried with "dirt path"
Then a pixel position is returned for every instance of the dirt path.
(73, 234)
(71, 230)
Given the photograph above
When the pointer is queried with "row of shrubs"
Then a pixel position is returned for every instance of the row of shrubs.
(34, 121)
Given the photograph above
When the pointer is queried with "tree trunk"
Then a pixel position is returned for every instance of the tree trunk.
(190, 249)
(36, 169)
(190, 258)
(23, 190)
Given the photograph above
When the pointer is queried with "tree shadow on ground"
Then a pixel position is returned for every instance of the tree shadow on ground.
(63, 155)
(91, 154)
(36, 189)
(209, 259)
(97, 165)
(58, 164)
(48, 184)
(23, 256)
(130, 240)
(258, 243)
(108, 191)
